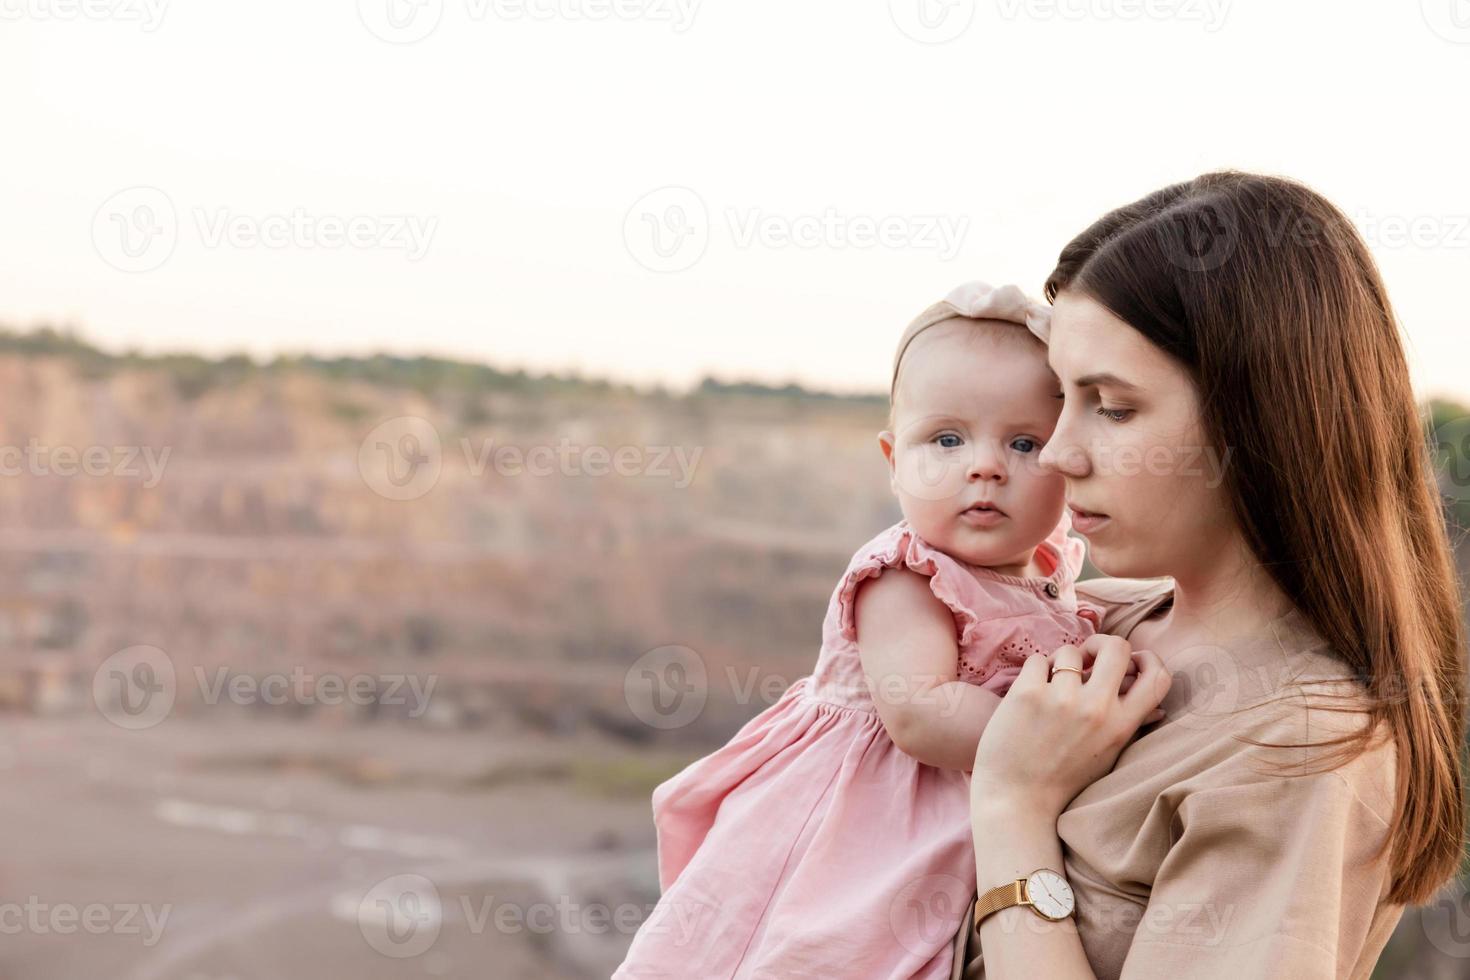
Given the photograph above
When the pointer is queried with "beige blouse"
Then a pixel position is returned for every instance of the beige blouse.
(1192, 858)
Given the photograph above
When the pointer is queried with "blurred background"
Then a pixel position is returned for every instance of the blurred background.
(389, 389)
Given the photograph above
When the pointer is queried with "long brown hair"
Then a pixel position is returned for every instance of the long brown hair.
(1268, 296)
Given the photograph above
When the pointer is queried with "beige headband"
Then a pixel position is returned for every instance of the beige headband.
(977, 301)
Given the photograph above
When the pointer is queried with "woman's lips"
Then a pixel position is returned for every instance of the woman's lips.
(1086, 521)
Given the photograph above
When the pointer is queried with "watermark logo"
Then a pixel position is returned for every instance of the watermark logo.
(402, 458)
(667, 687)
(927, 912)
(1203, 239)
(136, 229)
(667, 230)
(400, 917)
(400, 21)
(1451, 447)
(1450, 19)
(1446, 923)
(135, 688)
(1202, 694)
(932, 21)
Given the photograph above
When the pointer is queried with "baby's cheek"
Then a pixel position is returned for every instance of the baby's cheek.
(930, 478)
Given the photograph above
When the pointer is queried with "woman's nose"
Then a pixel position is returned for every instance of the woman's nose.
(1064, 455)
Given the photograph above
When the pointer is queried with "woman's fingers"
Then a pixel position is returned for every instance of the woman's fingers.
(1066, 664)
(1149, 687)
(1111, 657)
(1034, 673)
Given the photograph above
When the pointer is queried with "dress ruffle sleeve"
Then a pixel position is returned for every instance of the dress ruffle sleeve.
(900, 547)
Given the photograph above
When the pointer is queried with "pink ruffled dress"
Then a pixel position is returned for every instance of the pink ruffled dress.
(810, 846)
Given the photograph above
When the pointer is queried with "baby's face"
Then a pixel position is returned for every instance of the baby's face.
(975, 404)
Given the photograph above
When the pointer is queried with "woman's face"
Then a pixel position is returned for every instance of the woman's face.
(1130, 444)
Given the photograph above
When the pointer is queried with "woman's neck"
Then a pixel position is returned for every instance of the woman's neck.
(1219, 603)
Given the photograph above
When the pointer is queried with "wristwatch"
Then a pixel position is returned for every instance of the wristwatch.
(1044, 891)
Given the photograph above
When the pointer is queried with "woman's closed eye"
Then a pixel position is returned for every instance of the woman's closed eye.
(1115, 414)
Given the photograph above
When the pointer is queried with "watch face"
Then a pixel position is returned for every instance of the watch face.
(1050, 894)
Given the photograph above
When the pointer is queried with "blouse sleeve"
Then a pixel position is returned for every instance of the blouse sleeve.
(1273, 878)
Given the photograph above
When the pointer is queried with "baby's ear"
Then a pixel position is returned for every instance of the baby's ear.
(885, 443)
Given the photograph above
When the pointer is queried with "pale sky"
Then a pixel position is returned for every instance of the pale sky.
(497, 170)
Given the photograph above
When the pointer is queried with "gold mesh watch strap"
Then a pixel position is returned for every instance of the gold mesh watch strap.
(1002, 897)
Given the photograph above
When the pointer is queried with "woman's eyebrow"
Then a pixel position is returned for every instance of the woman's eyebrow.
(1104, 378)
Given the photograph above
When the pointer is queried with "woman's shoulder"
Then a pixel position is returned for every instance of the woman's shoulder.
(1288, 705)
(1121, 602)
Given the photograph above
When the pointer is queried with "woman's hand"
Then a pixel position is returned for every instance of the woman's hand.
(1056, 731)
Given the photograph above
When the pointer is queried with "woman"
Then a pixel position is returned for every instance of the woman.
(1238, 417)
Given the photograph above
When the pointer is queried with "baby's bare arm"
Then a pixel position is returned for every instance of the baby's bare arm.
(906, 638)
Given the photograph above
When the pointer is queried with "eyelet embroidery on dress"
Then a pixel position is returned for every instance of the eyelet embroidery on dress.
(1013, 653)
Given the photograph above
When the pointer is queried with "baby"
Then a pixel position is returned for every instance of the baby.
(830, 837)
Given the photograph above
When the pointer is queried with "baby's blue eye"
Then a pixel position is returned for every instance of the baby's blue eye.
(949, 440)
(1023, 445)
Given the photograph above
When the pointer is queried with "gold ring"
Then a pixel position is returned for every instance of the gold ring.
(1057, 670)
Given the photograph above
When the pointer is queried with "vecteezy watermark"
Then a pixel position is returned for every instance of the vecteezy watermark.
(932, 21)
(926, 470)
(940, 233)
(40, 918)
(1210, 13)
(403, 916)
(1416, 231)
(1203, 924)
(300, 687)
(1446, 923)
(409, 21)
(1202, 239)
(669, 229)
(1450, 445)
(569, 459)
(147, 14)
(407, 233)
(401, 459)
(568, 917)
(667, 687)
(138, 688)
(138, 229)
(1450, 19)
(135, 688)
(36, 459)
(926, 913)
